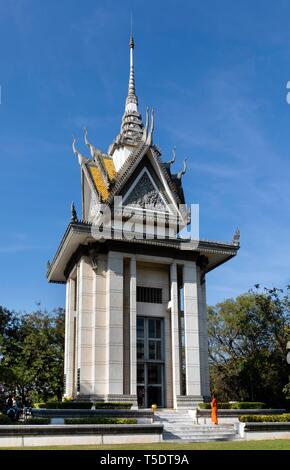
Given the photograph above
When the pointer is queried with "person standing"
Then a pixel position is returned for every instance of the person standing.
(214, 414)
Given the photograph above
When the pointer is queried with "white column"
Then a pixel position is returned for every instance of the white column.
(175, 334)
(191, 330)
(99, 328)
(203, 329)
(114, 324)
(133, 312)
(68, 348)
(85, 314)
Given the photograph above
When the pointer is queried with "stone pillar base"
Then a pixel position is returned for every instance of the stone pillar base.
(187, 402)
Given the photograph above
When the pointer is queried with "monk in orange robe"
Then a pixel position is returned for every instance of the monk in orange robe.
(214, 416)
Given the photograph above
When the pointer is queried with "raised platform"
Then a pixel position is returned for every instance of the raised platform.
(101, 413)
(83, 434)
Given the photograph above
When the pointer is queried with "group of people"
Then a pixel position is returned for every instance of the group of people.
(14, 410)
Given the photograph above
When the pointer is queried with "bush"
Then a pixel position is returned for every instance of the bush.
(284, 418)
(75, 405)
(35, 421)
(113, 406)
(207, 406)
(247, 405)
(100, 421)
(4, 419)
(239, 405)
(204, 406)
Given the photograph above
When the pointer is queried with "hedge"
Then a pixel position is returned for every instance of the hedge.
(113, 405)
(100, 421)
(240, 405)
(4, 419)
(35, 421)
(284, 418)
(248, 405)
(85, 405)
(207, 406)
(60, 405)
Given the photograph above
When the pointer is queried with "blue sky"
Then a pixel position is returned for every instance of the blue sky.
(216, 74)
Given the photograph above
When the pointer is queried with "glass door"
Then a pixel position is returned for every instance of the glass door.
(150, 362)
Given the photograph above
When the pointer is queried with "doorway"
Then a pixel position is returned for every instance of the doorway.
(150, 362)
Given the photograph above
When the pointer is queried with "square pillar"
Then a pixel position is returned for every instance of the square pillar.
(114, 325)
(133, 313)
(85, 314)
(175, 346)
(99, 329)
(191, 334)
(69, 340)
(203, 337)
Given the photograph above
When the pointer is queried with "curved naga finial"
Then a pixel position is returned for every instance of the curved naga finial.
(86, 138)
(150, 134)
(183, 171)
(173, 156)
(145, 130)
(81, 158)
(236, 237)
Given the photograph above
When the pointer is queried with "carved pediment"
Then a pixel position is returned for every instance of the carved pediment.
(145, 195)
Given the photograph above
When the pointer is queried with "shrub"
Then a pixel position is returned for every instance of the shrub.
(283, 418)
(113, 405)
(4, 419)
(247, 405)
(207, 406)
(204, 406)
(100, 421)
(78, 405)
(35, 421)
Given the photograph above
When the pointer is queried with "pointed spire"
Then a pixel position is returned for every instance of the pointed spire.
(131, 100)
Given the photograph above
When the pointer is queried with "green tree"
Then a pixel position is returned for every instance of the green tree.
(32, 355)
(247, 340)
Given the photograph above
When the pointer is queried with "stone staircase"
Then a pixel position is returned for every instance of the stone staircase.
(179, 425)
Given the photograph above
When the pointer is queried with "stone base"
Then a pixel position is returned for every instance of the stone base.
(188, 402)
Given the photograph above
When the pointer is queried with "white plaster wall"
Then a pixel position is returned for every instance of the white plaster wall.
(153, 275)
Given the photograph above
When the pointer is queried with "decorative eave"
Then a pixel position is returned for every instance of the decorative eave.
(78, 238)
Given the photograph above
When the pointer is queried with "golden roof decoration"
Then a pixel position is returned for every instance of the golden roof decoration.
(99, 182)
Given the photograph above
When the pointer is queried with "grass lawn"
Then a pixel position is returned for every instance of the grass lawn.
(275, 444)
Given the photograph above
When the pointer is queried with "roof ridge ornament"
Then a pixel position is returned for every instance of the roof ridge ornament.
(74, 216)
(81, 158)
(97, 158)
(236, 237)
(183, 171)
(173, 156)
(149, 139)
(144, 136)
